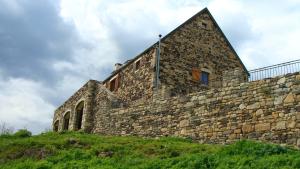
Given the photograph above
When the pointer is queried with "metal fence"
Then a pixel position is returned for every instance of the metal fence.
(275, 70)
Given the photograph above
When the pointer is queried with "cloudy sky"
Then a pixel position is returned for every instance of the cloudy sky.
(49, 49)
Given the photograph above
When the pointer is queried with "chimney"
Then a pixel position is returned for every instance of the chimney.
(117, 66)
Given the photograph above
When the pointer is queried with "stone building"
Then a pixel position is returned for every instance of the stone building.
(191, 58)
(190, 83)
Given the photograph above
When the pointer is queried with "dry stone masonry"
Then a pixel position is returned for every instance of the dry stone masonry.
(266, 110)
(202, 93)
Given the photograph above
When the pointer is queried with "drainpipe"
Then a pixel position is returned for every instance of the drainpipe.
(157, 62)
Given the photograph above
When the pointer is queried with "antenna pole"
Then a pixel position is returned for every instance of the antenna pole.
(157, 62)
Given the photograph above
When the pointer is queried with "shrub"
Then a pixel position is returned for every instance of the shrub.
(23, 133)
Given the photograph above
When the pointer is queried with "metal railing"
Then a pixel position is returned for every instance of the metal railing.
(275, 70)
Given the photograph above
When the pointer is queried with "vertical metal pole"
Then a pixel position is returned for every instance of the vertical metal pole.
(157, 62)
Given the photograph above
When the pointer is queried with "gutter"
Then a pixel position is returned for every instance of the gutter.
(157, 65)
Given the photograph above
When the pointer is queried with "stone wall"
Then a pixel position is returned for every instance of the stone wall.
(136, 83)
(268, 109)
(89, 94)
(199, 44)
(69, 106)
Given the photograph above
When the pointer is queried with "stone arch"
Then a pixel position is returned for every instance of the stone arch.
(55, 126)
(79, 109)
(66, 121)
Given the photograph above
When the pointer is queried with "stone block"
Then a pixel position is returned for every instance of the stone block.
(289, 98)
(262, 127)
(298, 97)
(237, 131)
(189, 104)
(232, 136)
(281, 80)
(259, 112)
(184, 123)
(137, 128)
(291, 124)
(278, 100)
(298, 115)
(298, 142)
(194, 98)
(164, 130)
(247, 128)
(183, 132)
(281, 125)
(242, 106)
(281, 114)
(275, 115)
(209, 134)
(253, 135)
(253, 106)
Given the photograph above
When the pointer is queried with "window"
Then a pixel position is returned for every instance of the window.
(115, 83)
(137, 64)
(112, 85)
(204, 78)
(196, 75)
(204, 25)
(200, 76)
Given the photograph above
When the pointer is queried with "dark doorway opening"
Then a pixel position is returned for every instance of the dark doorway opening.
(79, 115)
(55, 128)
(66, 121)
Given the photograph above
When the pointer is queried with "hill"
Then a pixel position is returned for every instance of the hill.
(79, 150)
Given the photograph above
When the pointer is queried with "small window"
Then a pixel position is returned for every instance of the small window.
(137, 64)
(115, 83)
(112, 85)
(204, 25)
(204, 78)
(196, 75)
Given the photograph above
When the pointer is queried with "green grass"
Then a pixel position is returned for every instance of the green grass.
(78, 150)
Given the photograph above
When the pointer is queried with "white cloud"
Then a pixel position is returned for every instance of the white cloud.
(257, 30)
(119, 30)
(269, 31)
(23, 106)
(13, 6)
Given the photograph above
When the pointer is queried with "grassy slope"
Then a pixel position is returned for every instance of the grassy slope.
(75, 150)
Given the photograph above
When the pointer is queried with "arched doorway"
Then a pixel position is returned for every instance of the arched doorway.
(79, 113)
(66, 121)
(55, 127)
